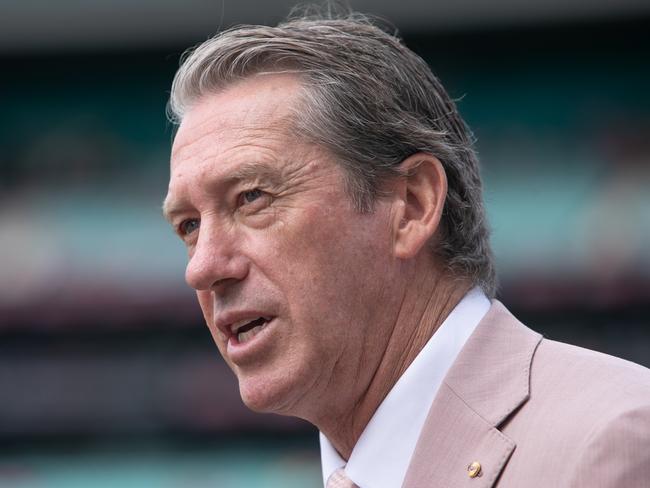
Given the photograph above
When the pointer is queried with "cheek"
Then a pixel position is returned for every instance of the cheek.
(334, 265)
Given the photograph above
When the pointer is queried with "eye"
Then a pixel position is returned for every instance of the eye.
(252, 201)
(250, 196)
(188, 226)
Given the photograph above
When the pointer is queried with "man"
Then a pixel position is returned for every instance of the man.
(330, 200)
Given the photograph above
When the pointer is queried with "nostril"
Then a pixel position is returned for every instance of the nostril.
(224, 283)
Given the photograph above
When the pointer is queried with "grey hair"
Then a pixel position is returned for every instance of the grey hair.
(371, 102)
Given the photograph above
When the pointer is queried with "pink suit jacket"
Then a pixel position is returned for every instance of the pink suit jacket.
(534, 413)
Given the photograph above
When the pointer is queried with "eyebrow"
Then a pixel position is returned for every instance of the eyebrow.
(244, 172)
(170, 208)
(254, 171)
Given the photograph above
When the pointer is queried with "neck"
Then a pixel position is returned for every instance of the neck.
(425, 306)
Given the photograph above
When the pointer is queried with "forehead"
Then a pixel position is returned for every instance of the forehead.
(243, 132)
(254, 108)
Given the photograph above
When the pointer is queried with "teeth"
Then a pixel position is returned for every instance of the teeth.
(246, 329)
(237, 325)
(249, 334)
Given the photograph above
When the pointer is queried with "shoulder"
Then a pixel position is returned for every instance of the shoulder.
(597, 409)
(582, 389)
(616, 452)
(587, 419)
(598, 381)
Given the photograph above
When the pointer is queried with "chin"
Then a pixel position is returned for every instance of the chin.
(264, 395)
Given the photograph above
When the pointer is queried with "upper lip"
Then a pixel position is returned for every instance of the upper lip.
(225, 321)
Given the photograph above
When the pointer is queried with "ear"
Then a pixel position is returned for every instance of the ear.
(420, 195)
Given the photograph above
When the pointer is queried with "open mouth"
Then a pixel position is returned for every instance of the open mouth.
(245, 330)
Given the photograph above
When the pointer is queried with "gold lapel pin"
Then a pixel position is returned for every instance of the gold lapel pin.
(474, 469)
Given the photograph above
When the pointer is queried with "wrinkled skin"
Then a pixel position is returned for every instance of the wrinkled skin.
(299, 251)
(270, 231)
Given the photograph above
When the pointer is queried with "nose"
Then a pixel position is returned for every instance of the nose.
(215, 261)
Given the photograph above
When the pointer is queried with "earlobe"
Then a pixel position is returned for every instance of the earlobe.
(421, 195)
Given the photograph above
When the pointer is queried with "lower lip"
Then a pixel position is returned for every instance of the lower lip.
(242, 351)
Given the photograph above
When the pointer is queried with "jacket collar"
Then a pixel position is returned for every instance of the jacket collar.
(488, 381)
(492, 371)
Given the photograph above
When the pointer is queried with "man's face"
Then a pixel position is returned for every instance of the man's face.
(293, 282)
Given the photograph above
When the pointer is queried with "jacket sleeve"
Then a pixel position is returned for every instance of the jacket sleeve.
(617, 453)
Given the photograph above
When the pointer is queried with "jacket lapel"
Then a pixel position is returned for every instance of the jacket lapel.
(488, 381)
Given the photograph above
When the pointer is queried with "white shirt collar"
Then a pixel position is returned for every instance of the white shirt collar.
(383, 452)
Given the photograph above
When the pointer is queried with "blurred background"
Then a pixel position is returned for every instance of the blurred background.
(108, 376)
